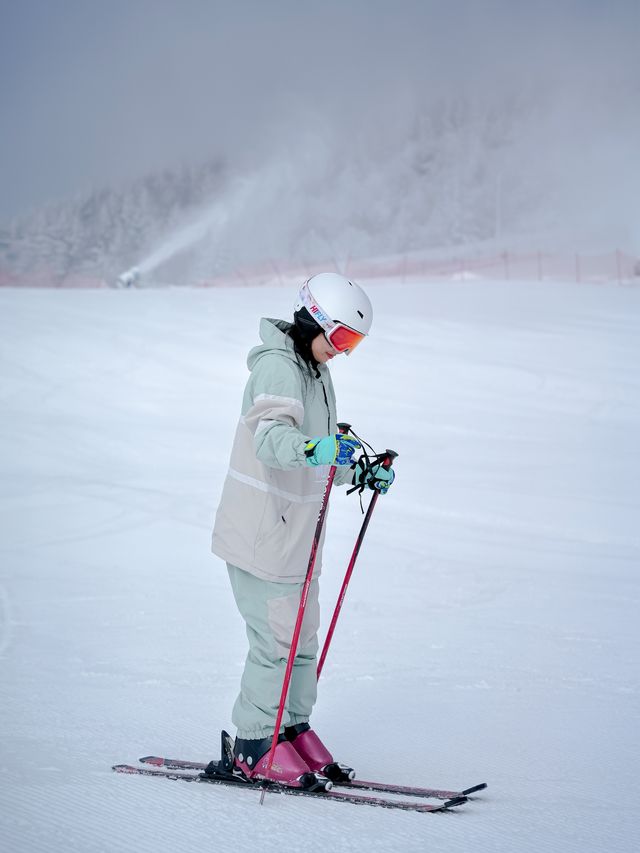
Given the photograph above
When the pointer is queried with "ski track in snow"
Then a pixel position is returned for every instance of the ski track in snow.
(490, 632)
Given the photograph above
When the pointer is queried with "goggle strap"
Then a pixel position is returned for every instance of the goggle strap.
(316, 312)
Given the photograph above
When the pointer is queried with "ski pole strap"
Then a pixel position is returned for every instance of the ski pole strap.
(366, 468)
(366, 462)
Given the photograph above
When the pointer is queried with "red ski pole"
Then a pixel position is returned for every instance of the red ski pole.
(390, 455)
(344, 428)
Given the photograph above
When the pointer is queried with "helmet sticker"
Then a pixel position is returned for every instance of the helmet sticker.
(318, 315)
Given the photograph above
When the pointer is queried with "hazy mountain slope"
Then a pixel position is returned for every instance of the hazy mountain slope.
(445, 173)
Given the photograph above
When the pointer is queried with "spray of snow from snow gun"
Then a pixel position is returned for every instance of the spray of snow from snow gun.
(210, 225)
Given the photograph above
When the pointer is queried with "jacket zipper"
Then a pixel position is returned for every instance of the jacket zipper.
(324, 391)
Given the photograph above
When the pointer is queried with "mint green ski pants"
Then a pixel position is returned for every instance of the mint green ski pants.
(269, 610)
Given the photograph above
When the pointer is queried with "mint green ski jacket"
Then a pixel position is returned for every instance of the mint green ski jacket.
(271, 497)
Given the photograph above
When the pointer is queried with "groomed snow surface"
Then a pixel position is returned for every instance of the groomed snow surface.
(491, 629)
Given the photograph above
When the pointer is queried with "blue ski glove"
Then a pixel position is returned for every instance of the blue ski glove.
(376, 477)
(331, 450)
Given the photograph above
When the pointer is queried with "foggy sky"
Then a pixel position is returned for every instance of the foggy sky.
(96, 91)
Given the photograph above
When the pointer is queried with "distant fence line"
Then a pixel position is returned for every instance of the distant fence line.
(612, 266)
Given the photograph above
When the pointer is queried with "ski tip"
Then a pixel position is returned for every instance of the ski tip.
(155, 760)
(474, 789)
(455, 801)
(124, 768)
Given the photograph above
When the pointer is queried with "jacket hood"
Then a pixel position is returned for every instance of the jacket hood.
(274, 337)
(273, 334)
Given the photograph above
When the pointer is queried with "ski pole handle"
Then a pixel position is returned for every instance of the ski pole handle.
(344, 428)
(390, 455)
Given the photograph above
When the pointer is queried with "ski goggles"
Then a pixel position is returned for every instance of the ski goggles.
(341, 337)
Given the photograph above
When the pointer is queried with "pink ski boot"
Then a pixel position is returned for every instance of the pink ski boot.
(316, 755)
(251, 757)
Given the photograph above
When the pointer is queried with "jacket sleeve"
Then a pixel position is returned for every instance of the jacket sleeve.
(277, 413)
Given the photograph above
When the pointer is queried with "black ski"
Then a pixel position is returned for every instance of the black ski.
(356, 784)
(336, 796)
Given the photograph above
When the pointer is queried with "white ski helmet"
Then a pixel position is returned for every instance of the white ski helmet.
(338, 306)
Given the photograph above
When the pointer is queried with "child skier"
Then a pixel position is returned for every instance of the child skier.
(285, 442)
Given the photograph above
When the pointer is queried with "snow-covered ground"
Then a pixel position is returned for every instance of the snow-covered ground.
(491, 628)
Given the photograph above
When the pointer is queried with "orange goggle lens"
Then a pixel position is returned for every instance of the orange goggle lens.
(343, 338)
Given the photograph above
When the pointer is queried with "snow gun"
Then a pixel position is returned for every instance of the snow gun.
(130, 278)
